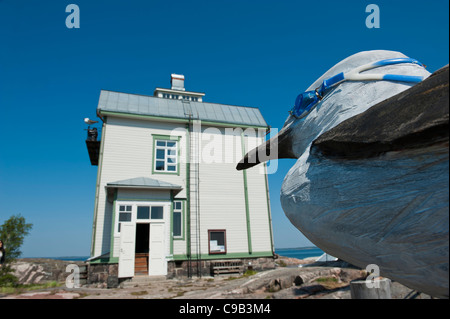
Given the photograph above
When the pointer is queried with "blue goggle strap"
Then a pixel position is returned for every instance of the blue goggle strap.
(396, 61)
(355, 74)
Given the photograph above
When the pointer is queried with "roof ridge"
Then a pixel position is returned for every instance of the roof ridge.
(138, 104)
(142, 181)
(155, 97)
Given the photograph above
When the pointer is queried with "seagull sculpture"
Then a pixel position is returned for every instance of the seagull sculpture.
(371, 183)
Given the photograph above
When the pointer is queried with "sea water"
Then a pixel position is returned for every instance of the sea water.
(68, 258)
(299, 253)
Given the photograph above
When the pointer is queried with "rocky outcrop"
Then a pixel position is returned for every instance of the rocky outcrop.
(313, 281)
(40, 270)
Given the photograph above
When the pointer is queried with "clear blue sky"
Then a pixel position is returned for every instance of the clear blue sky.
(257, 53)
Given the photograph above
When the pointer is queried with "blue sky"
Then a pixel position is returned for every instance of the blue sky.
(255, 53)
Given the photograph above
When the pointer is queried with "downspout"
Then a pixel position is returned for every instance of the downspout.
(97, 186)
(247, 208)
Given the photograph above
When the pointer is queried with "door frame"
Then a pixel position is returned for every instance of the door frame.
(165, 221)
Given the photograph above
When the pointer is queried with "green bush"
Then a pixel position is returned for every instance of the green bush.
(12, 234)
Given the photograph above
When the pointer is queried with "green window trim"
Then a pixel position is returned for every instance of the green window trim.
(159, 137)
(183, 219)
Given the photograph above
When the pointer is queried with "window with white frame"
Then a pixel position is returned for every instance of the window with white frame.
(177, 219)
(140, 213)
(124, 215)
(166, 156)
(152, 212)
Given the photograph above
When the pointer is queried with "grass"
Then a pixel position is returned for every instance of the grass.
(326, 280)
(329, 282)
(247, 273)
(25, 288)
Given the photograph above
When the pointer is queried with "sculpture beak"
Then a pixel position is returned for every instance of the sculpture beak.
(279, 146)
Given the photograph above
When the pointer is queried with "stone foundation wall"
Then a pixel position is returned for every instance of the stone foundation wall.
(181, 268)
(104, 274)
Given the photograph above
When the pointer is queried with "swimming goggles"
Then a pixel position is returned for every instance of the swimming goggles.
(306, 101)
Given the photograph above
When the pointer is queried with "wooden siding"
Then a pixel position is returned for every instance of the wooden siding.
(259, 214)
(128, 153)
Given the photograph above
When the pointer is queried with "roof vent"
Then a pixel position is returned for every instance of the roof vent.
(177, 82)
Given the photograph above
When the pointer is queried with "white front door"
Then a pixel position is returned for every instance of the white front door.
(127, 250)
(157, 258)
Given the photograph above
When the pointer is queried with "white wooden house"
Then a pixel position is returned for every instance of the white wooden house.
(169, 200)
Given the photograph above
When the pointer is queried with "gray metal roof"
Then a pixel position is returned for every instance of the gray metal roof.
(178, 109)
(143, 182)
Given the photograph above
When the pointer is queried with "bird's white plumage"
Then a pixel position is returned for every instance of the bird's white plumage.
(391, 210)
(350, 98)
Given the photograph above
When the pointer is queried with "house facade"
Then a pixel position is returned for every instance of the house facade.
(169, 200)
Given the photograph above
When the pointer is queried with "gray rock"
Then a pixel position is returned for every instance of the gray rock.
(40, 270)
(298, 281)
(112, 282)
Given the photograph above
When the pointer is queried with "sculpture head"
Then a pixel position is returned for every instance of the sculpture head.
(322, 108)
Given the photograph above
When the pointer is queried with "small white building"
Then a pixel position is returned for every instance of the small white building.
(169, 200)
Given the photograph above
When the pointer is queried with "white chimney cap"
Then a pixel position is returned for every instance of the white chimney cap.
(177, 81)
(177, 76)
